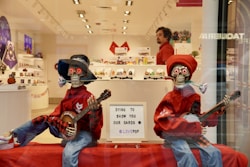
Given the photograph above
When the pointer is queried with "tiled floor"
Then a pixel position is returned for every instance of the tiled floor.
(45, 137)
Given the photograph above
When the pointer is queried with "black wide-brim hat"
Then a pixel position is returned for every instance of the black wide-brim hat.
(81, 61)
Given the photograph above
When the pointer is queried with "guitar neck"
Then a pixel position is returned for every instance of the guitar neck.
(211, 111)
(218, 106)
(84, 111)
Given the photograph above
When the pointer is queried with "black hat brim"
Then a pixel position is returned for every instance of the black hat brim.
(63, 66)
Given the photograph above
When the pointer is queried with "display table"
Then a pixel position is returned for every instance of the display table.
(40, 96)
(107, 155)
(15, 108)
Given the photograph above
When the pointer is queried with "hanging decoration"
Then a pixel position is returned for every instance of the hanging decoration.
(4, 34)
(9, 56)
(27, 44)
(125, 45)
(39, 95)
(114, 45)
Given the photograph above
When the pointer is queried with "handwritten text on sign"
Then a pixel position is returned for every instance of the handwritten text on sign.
(127, 121)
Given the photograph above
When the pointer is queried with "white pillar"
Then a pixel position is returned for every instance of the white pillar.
(209, 60)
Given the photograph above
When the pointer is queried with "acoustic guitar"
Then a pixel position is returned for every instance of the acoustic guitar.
(71, 117)
(202, 140)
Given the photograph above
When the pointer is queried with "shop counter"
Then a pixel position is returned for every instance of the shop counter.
(109, 155)
(40, 96)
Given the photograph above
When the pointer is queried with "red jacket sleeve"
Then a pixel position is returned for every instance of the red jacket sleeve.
(96, 123)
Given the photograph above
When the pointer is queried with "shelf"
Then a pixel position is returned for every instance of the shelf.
(129, 72)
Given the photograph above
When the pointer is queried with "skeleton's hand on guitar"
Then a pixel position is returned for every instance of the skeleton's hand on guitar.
(203, 130)
(93, 104)
(70, 131)
(226, 101)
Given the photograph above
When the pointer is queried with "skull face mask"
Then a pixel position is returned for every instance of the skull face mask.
(181, 75)
(75, 74)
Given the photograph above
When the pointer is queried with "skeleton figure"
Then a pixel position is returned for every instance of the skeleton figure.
(177, 116)
(76, 72)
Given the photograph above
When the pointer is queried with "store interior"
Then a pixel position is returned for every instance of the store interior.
(54, 31)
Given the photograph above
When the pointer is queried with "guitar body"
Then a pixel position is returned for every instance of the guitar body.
(68, 116)
(71, 117)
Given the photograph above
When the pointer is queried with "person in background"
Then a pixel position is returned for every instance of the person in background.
(177, 120)
(88, 129)
(163, 36)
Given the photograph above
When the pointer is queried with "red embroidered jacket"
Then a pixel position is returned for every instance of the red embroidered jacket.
(168, 114)
(76, 100)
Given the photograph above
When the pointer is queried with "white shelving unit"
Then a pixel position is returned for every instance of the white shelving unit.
(133, 72)
(30, 72)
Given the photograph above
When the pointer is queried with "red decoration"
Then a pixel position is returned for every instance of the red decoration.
(189, 3)
(125, 44)
(112, 47)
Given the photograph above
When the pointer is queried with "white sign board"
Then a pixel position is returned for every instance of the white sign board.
(121, 50)
(182, 48)
(127, 122)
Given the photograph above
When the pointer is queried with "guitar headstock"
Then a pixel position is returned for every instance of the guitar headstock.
(105, 94)
(235, 95)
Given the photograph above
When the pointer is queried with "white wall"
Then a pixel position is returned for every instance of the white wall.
(95, 47)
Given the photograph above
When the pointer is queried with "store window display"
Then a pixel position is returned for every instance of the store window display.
(178, 117)
(88, 130)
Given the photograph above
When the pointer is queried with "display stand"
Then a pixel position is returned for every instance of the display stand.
(40, 96)
(30, 72)
(127, 122)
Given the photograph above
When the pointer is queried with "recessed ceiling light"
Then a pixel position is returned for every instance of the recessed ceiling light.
(129, 3)
(124, 27)
(87, 26)
(85, 20)
(81, 13)
(126, 13)
(90, 32)
(77, 2)
(125, 21)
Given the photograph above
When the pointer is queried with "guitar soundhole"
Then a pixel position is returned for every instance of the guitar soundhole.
(71, 125)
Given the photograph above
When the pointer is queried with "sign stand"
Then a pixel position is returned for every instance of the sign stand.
(126, 123)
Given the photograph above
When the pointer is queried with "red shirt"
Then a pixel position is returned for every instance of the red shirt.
(76, 100)
(168, 114)
(166, 50)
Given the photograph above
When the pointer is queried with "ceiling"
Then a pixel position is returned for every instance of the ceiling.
(104, 16)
